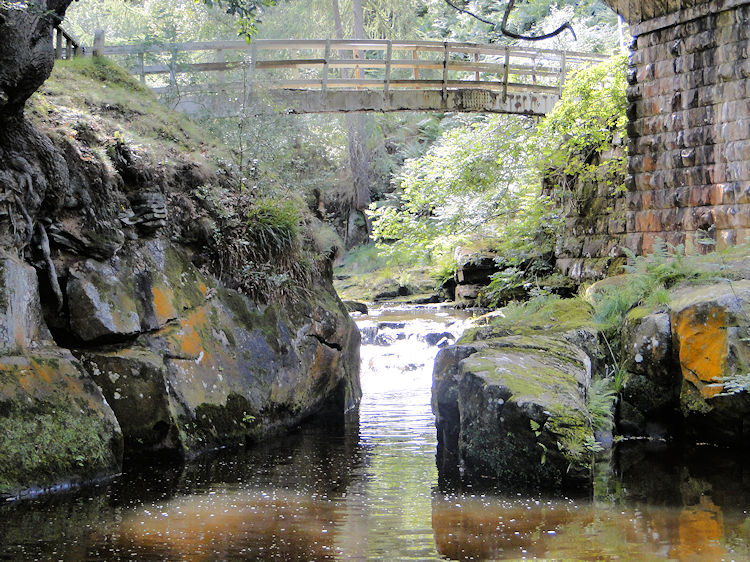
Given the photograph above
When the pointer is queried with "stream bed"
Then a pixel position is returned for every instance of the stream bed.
(367, 488)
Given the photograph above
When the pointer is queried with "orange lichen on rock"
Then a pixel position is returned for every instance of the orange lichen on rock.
(189, 336)
(703, 348)
(163, 307)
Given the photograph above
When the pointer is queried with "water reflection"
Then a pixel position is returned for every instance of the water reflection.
(366, 488)
(480, 528)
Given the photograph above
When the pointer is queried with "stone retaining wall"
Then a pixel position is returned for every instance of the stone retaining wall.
(689, 112)
(689, 140)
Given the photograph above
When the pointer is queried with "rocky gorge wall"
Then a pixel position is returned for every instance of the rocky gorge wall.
(119, 337)
(528, 402)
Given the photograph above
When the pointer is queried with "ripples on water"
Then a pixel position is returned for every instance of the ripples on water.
(367, 488)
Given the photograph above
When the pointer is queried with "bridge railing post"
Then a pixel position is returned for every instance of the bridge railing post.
(142, 66)
(562, 72)
(58, 43)
(415, 58)
(446, 56)
(251, 74)
(326, 57)
(506, 71)
(99, 43)
(388, 58)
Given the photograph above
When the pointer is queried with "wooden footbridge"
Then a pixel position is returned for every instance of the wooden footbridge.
(335, 76)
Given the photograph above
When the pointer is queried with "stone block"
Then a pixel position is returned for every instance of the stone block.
(649, 241)
(726, 216)
(616, 225)
(633, 200)
(725, 238)
(742, 193)
(642, 182)
(737, 151)
(634, 241)
(717, 173)
(721, 194)
(21, 324)
(630, 221)
(594, 246)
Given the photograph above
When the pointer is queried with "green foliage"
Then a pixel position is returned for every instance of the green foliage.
(586, 122)
(143, 21)
(647, 283)
(736, 383)
(471, 184)
(246, 12)
(261, 245)
(273, 228)
(601, 399)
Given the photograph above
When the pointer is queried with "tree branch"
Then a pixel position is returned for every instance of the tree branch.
(504, 25)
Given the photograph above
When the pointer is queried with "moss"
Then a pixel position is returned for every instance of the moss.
(536, 374)
(546, 315)
(103, 70)
(226, 424)
(52, 440)
(638, 313)
(96, 95)
(691, 401)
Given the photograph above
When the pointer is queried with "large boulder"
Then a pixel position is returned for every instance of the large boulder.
(711, 339)
(220, 369)
(649, 401)
(512, 411)
(147, 285)
(55, 425)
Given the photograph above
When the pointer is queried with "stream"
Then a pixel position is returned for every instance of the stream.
(367, 488)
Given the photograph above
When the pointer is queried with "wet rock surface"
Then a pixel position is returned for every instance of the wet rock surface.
(511, 412)
(56, 427)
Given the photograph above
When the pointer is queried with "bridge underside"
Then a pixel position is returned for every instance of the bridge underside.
(351, 101)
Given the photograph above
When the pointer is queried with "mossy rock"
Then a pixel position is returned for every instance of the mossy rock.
(230, 371)
(522, 415)
(55, 425)
(146, 287)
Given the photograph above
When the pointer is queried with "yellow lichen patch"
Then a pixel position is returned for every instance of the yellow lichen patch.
(703, 348)
(163, 307)
(202, 288)
(42, 371)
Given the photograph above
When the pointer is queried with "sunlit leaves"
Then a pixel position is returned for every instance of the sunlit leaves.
(470, 184)
(588, 119)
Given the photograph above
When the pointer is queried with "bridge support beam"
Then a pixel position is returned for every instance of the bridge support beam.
(351, 101)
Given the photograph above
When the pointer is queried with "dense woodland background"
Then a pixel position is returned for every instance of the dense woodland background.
(420, 185)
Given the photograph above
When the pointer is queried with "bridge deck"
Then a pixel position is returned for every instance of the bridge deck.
(332, 76)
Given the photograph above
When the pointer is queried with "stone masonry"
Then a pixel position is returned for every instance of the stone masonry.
(689, 122)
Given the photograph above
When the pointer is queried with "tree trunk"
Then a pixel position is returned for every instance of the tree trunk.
(359, 163)
(32, 172)
(26, 53)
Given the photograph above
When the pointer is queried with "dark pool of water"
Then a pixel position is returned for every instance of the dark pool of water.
(367, 488)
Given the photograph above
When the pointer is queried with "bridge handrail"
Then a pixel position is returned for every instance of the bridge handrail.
(72, 47)
(518, 63)
(344, 44)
